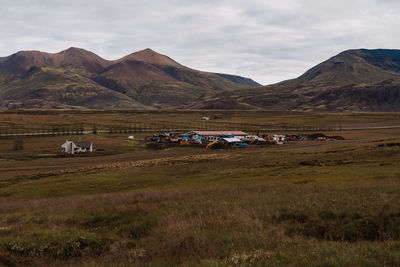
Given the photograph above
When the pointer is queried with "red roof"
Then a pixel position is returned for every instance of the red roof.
(219, 132)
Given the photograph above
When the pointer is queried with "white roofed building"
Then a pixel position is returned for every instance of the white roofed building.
(215, 135)
(73, 147)
(231, 140)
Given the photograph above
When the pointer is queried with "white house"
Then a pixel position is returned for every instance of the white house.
(73, 147)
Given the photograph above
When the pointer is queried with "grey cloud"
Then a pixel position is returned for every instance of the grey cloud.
(268, 41)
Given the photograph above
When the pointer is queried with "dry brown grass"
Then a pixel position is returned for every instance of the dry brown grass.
(218, 223)
(333, 203)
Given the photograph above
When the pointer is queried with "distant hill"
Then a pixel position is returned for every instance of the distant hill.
(354, 67)
(76, 78)
(240, 80)
(354, 80)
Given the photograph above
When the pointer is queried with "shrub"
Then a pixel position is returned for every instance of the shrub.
(18, 143)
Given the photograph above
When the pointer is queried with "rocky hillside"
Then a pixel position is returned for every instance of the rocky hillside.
(76, 78)
(355, 80)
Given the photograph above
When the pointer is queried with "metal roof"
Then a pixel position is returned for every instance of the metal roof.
(232, 140)
(83, 144)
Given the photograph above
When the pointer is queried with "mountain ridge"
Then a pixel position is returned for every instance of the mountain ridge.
(77, 77)
(150, 56)
(353, 80)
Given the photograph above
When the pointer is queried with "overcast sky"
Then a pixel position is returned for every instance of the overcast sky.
(266, 40)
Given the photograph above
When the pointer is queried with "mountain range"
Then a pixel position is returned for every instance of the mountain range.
(76, 78)
(354, 80)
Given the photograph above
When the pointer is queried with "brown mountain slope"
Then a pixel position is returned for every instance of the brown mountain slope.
(131, 74)
(150, 66)
(353, 67)
(356, 80)
(141, 79)
(61, 88)
(157, 80)
(151, 57)
(19, 63)
(22, 61)
(79, 57)
(164, 86)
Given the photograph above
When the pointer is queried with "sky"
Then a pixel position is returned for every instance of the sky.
(266, 40)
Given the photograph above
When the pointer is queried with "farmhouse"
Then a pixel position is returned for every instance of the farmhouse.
(73, 147)
(215, 135)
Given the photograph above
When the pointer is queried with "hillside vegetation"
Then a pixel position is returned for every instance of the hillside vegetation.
(76, 78)
(355, 80)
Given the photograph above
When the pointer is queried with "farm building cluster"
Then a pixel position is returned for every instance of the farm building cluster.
(229, 138)
(208, 139)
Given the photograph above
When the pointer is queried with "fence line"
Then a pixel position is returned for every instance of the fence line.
(146, 129)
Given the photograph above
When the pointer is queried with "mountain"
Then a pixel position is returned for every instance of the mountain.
(151, 57)
(22, 61)
(240, 80)
(354, 80)
(77, 78)
(354, 67)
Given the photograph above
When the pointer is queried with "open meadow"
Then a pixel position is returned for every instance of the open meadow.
(303, 203)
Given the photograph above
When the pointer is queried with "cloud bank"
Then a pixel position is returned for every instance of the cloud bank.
(267, 40)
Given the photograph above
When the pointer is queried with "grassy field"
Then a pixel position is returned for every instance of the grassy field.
(31, 121)
(309, 203)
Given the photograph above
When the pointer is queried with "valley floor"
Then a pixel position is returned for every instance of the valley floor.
(309, 203)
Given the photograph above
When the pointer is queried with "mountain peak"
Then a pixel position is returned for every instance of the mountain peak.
(81, 58)
(32, 54)
(75, 51)
(28, 52)
(22, 61)
(148, 50)
(354, 66)
(150, 56)
(73, 48)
